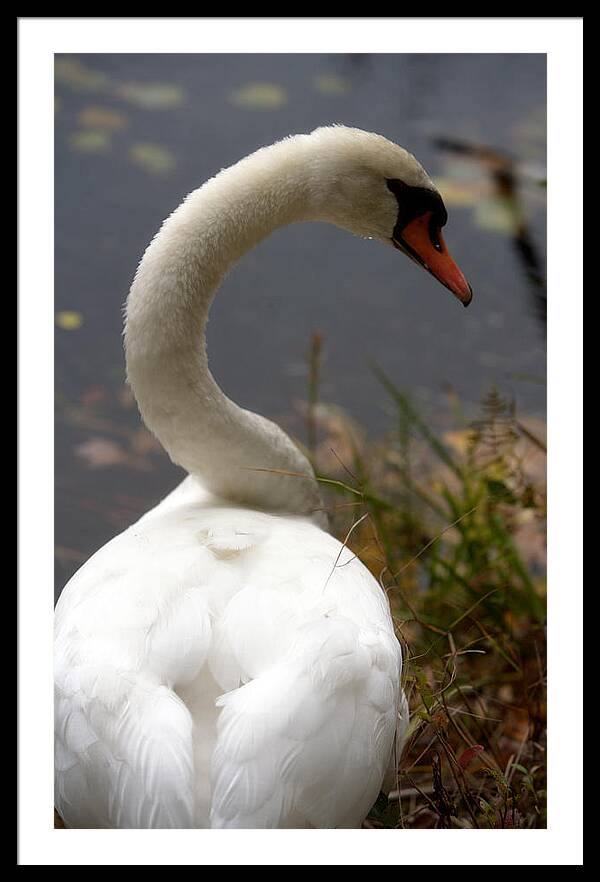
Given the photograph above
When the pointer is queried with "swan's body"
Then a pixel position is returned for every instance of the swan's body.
(226, 662)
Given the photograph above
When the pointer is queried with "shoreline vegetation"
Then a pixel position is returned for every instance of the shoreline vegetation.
(452, 525)
(451, 521)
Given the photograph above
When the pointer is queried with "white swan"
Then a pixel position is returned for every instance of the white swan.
(225, 662)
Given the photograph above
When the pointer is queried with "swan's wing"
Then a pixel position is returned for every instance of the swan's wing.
(297, 635)
(307, 742)
(123, 752)
(124, 637)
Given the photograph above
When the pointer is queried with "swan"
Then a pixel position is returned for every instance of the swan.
(225, 662)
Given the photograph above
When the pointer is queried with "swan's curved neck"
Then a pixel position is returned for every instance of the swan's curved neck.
(167, 310)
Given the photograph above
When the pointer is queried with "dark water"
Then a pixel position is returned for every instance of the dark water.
(135, 133)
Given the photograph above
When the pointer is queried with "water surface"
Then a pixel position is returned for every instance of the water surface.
(135, 133)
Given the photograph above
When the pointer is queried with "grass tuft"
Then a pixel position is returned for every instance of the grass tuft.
(452, 525)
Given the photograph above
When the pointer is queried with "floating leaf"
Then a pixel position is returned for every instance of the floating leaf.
(101, 453)
(66, 556)
(458, 194)
(152, 158)
(68, 320)
(91, 141)
(331, 84)
(483, 180)
(497, 215)
(102, 118)
(259, 96)
(154, 96)
(72, 72)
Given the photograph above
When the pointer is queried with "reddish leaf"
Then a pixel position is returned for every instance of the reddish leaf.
(101, 453)
(468, 755)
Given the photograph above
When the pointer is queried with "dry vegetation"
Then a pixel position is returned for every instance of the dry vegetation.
(453, 527)
(452, 524)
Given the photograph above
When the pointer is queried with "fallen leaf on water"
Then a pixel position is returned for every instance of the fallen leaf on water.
(154, 96)
(490, 212)
(498, 215)
(259, 96)
(68, 320)
(460, 194)
(72, 72)
(102, 118)
(101, 453)
(331, 84)
(479, 185)
(90, 141)
(152, 158)
(66, 555)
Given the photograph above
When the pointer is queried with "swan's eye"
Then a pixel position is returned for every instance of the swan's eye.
(435, 235)
(414, 202)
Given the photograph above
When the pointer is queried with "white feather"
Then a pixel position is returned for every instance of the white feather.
(300, 652)
(226, 662)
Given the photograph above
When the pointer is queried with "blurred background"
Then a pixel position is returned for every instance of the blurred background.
(429, 418)
(135, 133)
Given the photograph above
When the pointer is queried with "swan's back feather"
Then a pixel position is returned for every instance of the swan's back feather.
(307, 742)
(223, 667)
(123, 752)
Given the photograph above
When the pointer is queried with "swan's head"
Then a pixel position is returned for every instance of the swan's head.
(376, 189)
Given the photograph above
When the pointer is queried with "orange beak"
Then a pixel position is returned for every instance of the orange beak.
(425, 245)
